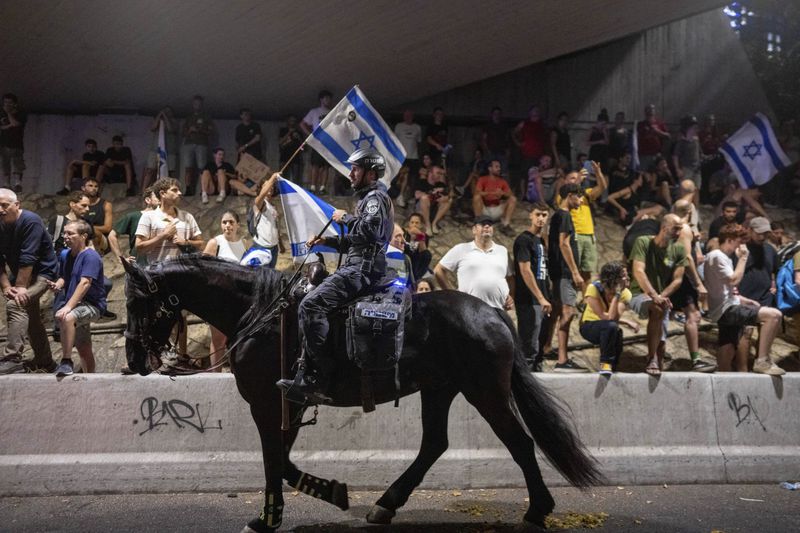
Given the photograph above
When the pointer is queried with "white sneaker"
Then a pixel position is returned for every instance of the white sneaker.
(768, 367)
(204, 197)
(312, 188)
(221, 198)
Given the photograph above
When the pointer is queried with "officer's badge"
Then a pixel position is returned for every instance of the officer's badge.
(372, 207)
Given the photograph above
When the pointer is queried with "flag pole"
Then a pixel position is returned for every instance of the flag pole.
(299, 149)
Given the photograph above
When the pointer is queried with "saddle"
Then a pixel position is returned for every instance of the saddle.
(374, 326)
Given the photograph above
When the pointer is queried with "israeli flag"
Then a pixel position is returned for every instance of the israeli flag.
(305, 216)
(355, 124)
(754, 154)
(163, 169)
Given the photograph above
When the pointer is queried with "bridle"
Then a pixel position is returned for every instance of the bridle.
(168, 308)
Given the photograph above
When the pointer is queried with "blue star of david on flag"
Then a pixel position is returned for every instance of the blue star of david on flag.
(753, 153)
(752, 150)
(354, 124)
(363, 137)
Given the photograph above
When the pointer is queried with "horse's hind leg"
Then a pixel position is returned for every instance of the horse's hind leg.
(493, 405)
(435, 407)
(330, 491)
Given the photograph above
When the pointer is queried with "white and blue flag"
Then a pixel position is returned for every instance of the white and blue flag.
(753, 153)
(163, 169)
(355, 124)
(305, 216)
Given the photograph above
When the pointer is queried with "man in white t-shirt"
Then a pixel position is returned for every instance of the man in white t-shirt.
(410, 135)
(733, 312)
(481, 266)
(167, 231)
(319, 166)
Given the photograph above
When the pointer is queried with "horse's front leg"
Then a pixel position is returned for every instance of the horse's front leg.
(255, 378)
(330, 491)
(269, 429)
(435, 407)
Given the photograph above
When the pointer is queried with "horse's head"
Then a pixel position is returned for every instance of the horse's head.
(152, 313)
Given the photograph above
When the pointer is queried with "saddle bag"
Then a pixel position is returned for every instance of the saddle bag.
(375, 328)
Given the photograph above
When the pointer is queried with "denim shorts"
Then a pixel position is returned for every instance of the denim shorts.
(84, 314)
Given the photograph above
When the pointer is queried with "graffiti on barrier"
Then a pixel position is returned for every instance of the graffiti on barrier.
(745, 410)
(155, 413)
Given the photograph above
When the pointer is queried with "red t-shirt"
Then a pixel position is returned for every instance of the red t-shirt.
(534, 139)
(649, 141)
(496, 187)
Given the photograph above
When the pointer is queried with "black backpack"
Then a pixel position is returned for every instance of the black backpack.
(253, 219)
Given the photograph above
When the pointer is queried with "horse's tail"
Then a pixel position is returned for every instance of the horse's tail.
(549, 423)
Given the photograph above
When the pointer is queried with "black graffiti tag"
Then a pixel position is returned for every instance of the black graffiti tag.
(744, 410)
(157, 413)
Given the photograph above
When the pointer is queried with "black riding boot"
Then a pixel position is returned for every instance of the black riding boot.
(310, 383)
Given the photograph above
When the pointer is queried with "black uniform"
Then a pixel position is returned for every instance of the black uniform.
(369, 233)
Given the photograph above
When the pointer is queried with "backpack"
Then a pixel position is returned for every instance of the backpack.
(788, 292)
(252, 220)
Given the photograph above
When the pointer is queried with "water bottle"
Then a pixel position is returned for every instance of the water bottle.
(790, 486)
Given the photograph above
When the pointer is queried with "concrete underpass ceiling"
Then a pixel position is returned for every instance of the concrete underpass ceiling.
(124, 56)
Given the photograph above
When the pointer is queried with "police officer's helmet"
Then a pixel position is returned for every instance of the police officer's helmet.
(368, 160)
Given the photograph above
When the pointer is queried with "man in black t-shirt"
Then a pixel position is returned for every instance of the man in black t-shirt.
(436, 139)
(290, 139)
(12, 134)
(100, 214)
(567, 279)
(730, 215)
(80, 169)
(248, 135)
(118, 165)
(532, 285)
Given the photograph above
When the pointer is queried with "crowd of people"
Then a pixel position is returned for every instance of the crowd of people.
(671, 266)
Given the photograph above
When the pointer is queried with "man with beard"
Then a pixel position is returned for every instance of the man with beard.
(658, 263)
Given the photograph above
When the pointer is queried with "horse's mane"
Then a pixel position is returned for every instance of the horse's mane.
(265, 281)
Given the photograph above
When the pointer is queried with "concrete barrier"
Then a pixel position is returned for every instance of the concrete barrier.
(109, 433)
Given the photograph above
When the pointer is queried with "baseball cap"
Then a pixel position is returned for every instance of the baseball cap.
(483, 219)
(760, 225)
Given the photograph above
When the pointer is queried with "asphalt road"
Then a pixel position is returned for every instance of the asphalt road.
(679, 508)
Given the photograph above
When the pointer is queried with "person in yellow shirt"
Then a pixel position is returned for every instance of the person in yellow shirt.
(606, 300)
(582, 218)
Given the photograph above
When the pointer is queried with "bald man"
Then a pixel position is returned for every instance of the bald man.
(658, 265)
(27, 263)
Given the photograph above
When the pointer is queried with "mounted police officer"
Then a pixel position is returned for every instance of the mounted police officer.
(369, 232)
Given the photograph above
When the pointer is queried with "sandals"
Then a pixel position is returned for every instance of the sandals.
(653, 367)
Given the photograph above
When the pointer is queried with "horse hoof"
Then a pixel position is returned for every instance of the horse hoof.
(380, 515)
(258, 526)
(536, 524)
(339, 496)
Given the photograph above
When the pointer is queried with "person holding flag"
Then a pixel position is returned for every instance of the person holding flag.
(369, 231)
(754, 154)
(161, 158)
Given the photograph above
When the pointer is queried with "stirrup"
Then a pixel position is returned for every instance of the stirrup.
(299, 391)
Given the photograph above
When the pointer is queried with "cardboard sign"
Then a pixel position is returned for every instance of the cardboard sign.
(251, 168)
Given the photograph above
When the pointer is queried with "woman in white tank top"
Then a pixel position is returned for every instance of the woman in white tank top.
(230, 247)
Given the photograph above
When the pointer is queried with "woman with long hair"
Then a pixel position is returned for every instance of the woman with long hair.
(229, 246)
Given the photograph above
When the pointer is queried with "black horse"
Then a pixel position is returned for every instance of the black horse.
(454, 343)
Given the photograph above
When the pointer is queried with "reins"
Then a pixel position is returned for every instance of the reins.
(276, 307)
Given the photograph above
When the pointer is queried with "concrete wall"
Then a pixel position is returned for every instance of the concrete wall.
(107, 433)
(695, 65)
(53, 140)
